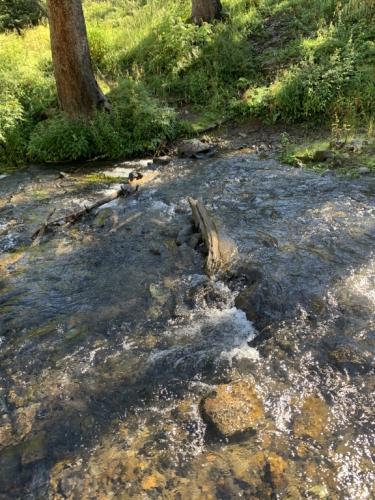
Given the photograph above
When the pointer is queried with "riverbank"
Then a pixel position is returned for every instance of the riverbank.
(278, 61)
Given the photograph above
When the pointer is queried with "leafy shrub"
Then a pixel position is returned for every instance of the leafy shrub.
(137, 124)
(11, 119)
(17, 14)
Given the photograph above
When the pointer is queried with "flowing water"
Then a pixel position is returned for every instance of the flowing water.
(111, 335)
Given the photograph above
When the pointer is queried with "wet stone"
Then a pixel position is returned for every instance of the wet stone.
(233, 408)
(6, 436)
(34, 450)
(162, 160)
(313, 419)
(363, 170)
(276, 468)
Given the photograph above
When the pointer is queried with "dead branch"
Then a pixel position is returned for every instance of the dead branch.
(125, 190)
(73, 217)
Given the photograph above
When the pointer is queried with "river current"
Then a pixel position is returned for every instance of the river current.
(111, 335)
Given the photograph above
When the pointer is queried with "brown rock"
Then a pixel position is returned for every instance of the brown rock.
(25, 419)
(277, 467)
(152, 481)
(234, 408)
(313, 420)
(162, 160)
(5, 435)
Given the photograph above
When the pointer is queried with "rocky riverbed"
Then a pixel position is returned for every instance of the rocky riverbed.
(126, 373)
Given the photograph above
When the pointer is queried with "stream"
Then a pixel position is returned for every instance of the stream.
(111, 335)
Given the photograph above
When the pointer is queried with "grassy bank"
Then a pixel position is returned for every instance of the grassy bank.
(281, 60)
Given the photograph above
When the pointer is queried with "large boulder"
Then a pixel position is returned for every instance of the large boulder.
(233, 408)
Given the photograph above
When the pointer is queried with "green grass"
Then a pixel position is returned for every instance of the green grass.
(350, 152)
(280, 60)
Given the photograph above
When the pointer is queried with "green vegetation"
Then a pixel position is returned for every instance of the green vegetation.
(18, 14)
(281, 60)
(345, 153)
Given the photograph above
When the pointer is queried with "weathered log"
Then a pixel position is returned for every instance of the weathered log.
(221, 250)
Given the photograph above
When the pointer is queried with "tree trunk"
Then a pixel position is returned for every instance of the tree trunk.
(206, 11)
(78, 91)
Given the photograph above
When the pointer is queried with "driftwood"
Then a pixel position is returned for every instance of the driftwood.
(125, 190)
(73, 217)
(220, 250)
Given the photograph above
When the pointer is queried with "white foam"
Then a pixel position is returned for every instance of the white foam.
(212, 332)
(167, 209)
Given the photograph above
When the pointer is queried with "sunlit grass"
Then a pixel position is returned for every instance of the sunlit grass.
(281, 60)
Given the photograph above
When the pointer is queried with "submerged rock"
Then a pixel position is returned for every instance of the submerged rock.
(276, 469)
(348, 356)
(102, 217)
(184, 234)
(25, 419)
(233, 408)
(6, 436)
(313, 420)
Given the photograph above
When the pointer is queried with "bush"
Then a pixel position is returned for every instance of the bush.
(17, 14)
(137, 124)
(334, 76)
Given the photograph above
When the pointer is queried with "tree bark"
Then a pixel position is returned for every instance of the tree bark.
(78, 91)
(206, 10)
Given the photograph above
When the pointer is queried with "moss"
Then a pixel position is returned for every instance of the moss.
(353, 152)
(100, 178)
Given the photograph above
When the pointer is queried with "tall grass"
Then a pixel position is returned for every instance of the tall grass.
(282, 60)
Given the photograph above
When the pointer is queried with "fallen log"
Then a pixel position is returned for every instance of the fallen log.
(221, 250)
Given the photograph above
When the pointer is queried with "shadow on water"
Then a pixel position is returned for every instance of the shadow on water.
(89, 325)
